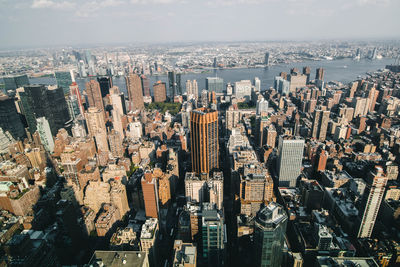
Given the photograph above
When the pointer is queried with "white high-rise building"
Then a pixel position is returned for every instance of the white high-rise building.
(262, 106)
(243, 89)
(373, 196)
(257, 84)
(44, 131)
(290, 156)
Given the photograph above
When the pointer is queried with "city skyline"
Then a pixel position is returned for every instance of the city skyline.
(171, 21)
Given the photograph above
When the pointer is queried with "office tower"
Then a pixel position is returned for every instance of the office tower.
(257, 84)
(215, 62)
(319, 74)
(64, 80)
(115, 142)
(9, 118)
(243, 89)
(96, 128)
(44, 101)
(93, 92)
(214, 84)
(372, 198)
(204, 98)
(171, 84)
(105, 83)
(213, 235)
(44, 131)
(320, 124)
(160, 92)
(149, 189)
(296, 81)
(282, 85)
(12, 83)
(145, 85)
(74, 91)
(192, 89)
(307, 72)
(266, 59)
(73, 106)
(82, 69)
(178, 84)
(269, 235)
(262, 106)
(204, 140)
(290, 155)
(135, 92)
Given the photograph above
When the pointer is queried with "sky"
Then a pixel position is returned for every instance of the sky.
(45, 23)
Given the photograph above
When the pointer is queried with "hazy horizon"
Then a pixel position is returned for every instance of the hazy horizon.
(51, 23)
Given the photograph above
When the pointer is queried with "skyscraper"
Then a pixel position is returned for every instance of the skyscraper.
(135, 92)
(307, 72)
(204, 140)
(64, 80)
(9, 118)
(14, 82)
(243, 89)
(213, 235)
(178, 84)
(74, 91)
(319, 75)
(372, 200)
(145, 85)
(214, 84)
(105, 83)
(257, 84)
(266, 59)
(192, 88)
(93, 92)
(44, 131)
(320, 124)
(269, 235)
(41, 101)
(160, 92)
(171, 84)
(290, 155)
(97, 128)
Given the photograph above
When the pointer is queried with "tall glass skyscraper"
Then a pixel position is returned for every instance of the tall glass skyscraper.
(269, 235)
(171, 84)
(213, 235)
(9, 118)
(215, 84)
(12, 83)
(64, 80)
(49, 102)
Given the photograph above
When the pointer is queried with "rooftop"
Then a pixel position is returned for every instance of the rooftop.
(118, 258)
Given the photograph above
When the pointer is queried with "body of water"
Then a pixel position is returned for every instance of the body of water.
(344, 70)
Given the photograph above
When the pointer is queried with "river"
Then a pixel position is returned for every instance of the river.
(343, 70)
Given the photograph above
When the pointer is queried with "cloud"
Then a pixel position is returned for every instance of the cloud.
(52, 4)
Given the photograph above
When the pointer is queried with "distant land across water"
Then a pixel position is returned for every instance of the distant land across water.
(343, 70)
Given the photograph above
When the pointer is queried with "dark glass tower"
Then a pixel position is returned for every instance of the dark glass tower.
(49, 102)
(105, 85)
(171, 84)
(9, 118)
(64, 80)
(12, 83)
(269, 235)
